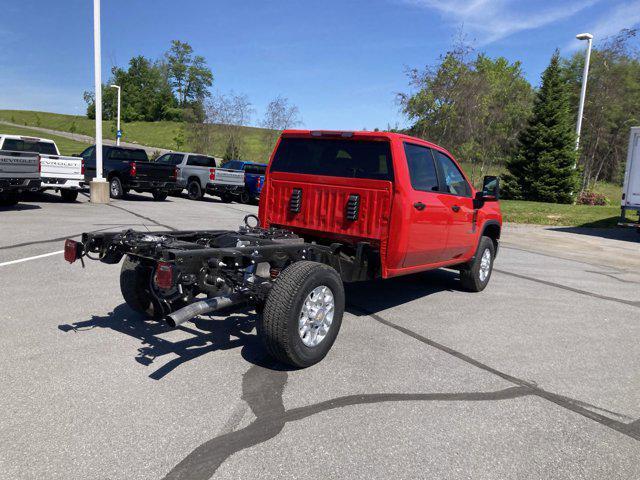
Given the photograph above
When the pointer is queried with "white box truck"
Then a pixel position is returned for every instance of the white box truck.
(631, 188)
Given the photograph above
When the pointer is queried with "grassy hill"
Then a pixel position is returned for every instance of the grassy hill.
(169, 135)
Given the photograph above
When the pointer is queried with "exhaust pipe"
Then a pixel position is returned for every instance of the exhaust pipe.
(202, 307)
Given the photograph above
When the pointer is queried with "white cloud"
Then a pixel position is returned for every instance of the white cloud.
(492, 20)
(624, 15)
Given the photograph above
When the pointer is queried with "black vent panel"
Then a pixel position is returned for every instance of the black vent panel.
(353, 207)
(295, 202)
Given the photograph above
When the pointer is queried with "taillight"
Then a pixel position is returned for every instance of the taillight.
(39, 164)
(212, 174)
(82, 167)
(133, 169)
(175, 173)
(70, 250)
(259, 183)
(163, 278)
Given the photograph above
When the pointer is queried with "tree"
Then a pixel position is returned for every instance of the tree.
(146, 93)
(189, 75)
(612, 106)
(232, 112)
(475, 106)
(543, 168)
(279, 115)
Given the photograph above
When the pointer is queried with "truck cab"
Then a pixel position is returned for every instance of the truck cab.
(407, 200)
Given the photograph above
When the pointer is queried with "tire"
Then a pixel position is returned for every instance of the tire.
(69, 195)
(115, 188)
(475, 275)
(226, 198)
(194, 190)
(244, 197)
(134, 286)
(279, 327)
(159, 195)
(9, 199)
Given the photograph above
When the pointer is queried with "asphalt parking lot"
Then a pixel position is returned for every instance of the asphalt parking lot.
(536, 377)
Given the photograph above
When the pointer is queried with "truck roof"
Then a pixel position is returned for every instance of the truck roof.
(357, 135)
(26, 137)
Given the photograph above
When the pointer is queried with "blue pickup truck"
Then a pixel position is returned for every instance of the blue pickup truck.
(253, 179)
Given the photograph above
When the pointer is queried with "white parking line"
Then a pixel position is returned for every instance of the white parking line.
(20, 260)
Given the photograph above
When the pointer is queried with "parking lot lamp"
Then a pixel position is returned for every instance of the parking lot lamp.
(118, 131)
(589, 38)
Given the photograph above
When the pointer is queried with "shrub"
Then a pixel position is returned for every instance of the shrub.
(588, 197)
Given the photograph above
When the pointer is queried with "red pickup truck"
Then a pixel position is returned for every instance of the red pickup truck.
(336, 207)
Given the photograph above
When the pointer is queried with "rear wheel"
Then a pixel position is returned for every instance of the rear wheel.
(194, 190)
(8, 199)
(226, 198)
(244, 197)
(69, 195)
(159, 195)
(135, 282)
(475, 275)
(303, 314)
(115, 188)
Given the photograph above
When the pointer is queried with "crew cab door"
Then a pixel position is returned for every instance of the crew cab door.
(428, 216)
(457, 197)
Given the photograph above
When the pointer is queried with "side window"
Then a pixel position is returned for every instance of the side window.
(422, 170)
(454, 181)
(87, 152)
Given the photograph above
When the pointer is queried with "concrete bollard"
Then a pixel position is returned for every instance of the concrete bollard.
(99, 191)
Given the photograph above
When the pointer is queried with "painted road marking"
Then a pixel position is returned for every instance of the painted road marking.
(20, 260)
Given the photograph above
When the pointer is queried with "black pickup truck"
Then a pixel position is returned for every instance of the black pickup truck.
(130, 169)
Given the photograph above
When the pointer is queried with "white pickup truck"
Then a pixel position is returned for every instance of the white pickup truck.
(59, 173)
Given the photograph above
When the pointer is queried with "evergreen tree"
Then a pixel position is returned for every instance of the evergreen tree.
(543, 167)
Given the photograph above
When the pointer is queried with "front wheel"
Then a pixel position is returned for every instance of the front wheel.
(69, 195)
(303, 314)
(475, 275)
(159, 195)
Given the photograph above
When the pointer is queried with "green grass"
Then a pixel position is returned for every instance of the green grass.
(155, 134)
(517, 211)
(65, 145)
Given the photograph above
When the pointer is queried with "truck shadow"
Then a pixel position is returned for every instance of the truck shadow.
(234, 331)
(237, 330)
(382, 295)
(627, 234)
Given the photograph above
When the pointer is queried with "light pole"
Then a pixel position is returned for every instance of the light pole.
(99, 187)
(589, 38)
(118, 132)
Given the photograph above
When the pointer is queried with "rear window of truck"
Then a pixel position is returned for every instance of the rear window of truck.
(128, 155)
(18, 145)
(334, 158)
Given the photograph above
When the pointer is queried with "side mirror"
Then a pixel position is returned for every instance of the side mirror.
(491, 187)
(490, 191)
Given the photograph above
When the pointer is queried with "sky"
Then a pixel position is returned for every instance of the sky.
(342, 62)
